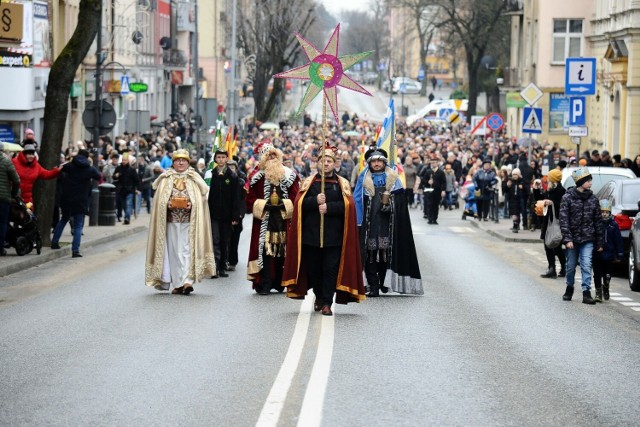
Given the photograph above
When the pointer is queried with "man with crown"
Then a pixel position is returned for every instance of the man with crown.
(386, 239)
(271, 189)
(330, 265)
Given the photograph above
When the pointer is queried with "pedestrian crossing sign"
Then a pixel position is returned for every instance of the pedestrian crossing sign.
(532, 120)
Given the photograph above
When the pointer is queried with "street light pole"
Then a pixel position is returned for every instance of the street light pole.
(232, 89)
(196, 65)
(98, 89)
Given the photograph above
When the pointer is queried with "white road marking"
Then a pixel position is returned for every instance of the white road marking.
(631, 304)
(532, 252)
(621, 299)
(635, 308)
(462, 230)
(275, 401)
(311, 411)
(615, 294)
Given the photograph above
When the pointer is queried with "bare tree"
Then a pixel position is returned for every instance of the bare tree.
(61, 78)
(475, 23)
(426, 18)
(269, 35)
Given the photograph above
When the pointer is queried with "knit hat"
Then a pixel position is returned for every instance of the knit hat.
(580, 176)
(555, 175)
(29, 148)
(516, 171)
(582, 162)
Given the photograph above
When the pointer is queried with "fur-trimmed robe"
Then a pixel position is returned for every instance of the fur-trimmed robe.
(258, 192)
(200, 239)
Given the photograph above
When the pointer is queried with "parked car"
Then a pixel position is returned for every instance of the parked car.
(410, 86)
(600, 174)
(435, 107)
(623, 194)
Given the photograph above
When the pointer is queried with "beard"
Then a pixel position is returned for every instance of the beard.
(273, 170)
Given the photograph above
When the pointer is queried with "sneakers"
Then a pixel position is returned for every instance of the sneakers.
(76, 255)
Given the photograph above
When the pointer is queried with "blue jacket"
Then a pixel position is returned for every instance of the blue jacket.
(612, 241)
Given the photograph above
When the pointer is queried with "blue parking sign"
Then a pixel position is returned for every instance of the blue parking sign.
(577, 111)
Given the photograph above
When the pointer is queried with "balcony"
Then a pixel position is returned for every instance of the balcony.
(514, 7)
(174, 58)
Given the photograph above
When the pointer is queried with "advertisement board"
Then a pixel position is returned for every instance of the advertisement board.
(558, 112)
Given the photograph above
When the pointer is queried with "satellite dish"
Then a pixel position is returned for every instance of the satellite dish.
(165, 43)
(136, 37)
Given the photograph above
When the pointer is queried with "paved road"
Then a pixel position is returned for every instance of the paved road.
(490, 343)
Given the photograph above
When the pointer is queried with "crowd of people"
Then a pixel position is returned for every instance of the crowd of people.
(274, 175)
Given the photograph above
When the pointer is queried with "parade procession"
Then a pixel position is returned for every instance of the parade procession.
(312, 213)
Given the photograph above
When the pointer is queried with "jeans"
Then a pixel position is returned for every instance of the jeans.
(77, 225)
(585, 252)
(127, 203)
(5, 209)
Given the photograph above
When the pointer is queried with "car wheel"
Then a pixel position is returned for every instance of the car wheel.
(634, 274)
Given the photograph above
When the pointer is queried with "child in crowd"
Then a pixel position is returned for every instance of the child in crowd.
(612, 250)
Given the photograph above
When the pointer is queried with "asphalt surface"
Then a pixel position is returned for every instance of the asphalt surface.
(490, 343)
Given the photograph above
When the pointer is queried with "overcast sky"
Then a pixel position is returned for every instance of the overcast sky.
(336, 6)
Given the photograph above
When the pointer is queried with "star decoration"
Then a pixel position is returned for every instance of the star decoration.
(325, 70)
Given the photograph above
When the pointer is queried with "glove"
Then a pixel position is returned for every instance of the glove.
(386, 209)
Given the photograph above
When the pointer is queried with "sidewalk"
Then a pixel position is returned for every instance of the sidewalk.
(92, 236)
(502, 231)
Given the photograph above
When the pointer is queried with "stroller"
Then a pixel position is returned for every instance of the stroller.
(23, 233)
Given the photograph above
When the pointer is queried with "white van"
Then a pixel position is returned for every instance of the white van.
(434, 109)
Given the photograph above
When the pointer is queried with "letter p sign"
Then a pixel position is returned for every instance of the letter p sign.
(577, 113)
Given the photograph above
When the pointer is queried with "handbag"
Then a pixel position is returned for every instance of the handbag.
(553, 235)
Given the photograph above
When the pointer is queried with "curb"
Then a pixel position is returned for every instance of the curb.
(502, 237)
(52, 255)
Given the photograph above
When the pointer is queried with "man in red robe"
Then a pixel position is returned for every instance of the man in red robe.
(331, 265)
(271, 189)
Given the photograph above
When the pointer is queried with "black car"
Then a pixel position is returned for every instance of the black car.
(624, 196)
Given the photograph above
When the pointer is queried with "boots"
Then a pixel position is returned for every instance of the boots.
(586, 298)
(598, 297)
(464, 214)
(568, 294)
(605, 287)
(563, 272)
(515, 228)
(550, 273)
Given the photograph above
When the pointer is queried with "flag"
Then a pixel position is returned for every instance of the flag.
(362, 162)
(217, 142)
(228, 141)
(387, 141)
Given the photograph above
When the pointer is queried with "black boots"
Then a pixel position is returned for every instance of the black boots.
(586, 298)
(598, 297)
(563, 272)
(515, 227)
(605, 287)
(550, 273)
(568, 294)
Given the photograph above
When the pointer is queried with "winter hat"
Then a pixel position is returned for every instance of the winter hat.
(29, 148)
(580, 176)
(582, 162)
(516, 171)
(605, 205)
(555, 175)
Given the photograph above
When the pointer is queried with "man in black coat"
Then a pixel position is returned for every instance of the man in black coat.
(75, 187)
(234, 242)
(127, 181)
(433, 184)
(224, 202)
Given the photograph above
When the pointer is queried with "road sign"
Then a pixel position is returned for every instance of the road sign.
(124, 85)
(580, 76)
(446, 112)
(455, 118)
(577, 111)
(495, 121)
(531, 93)
(138, 87)
(478, 125)
(532, 120)
(420, 74)
(107, 118)
(578, 131)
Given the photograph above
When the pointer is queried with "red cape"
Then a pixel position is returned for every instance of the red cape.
(350, 285)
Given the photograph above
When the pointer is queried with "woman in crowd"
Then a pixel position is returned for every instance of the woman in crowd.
(552, 198)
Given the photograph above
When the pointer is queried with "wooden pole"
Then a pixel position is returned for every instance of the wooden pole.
(321, 165)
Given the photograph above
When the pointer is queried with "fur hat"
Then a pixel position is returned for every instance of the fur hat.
(555, 175)
(580, 176)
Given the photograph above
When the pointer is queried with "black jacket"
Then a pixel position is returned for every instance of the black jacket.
(125, 179)
(580, 218)
(333, 219)
(224, 195)
(439, 180)
(555, 195)
(75, 185)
